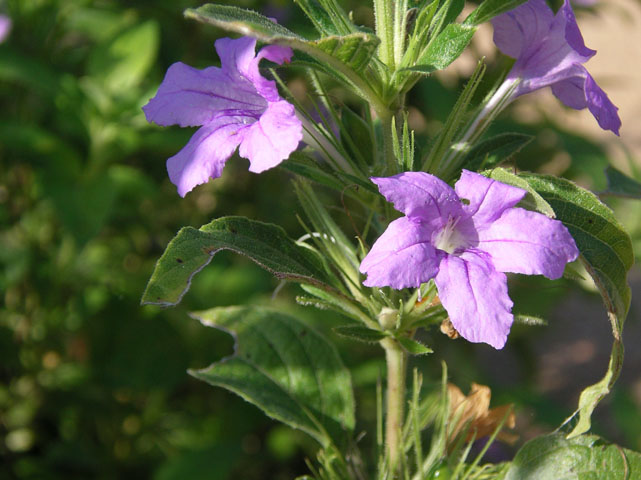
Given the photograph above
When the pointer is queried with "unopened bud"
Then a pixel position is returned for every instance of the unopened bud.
(387, 318)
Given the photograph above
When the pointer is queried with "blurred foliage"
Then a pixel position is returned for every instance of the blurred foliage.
(92, 385)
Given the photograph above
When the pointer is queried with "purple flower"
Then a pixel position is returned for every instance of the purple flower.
(465, 247)
(235, 107)
(5, 27)
(550, 51)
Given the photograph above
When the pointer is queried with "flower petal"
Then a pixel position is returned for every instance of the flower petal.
(402, 257)
(517, 30)
(189, 97)
(488, 198)
(272, 138)
(601, 107)
(205, 154)
(528, 242)
(475, 297)
(274, 53)
(421, 196)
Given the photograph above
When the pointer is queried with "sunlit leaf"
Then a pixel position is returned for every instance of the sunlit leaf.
(585, 457)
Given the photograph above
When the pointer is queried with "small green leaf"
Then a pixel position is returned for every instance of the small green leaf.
(266, 244)
(413, 347)
(490, 9)
(532, 200)
(552, 457)
(327, 16)
(606, 253)
(493, 151)
(446, 47)
(529, 320)
(360, 333)
(353, 51)
(620, 185)
(285, 368)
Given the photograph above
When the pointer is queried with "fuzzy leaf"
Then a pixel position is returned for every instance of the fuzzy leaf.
(413, 347)
(531, 201)
(192, 249)
(583, 458)
(446, 47)
(606, 253)
(285, 368)
(353, 51)
(490, 9)
(360, 333)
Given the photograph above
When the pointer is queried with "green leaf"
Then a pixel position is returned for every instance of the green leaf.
(532, 200)
(606, 253)
(493, 151)
(552, 457)
(360, 333)
(621, 185)
(327, 16)
(446, 47)
(353, 51)
(490, 9)
(413, 347)
(266, 244)
(125, 60)
(285, 368)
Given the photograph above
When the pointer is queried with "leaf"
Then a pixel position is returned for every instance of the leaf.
(552, 457)
(192, 249)
(620, 185)
(413, 347)
(353, 51)
(532, 200)
(606, 253)
(446, 47)
(490, 9)
(360, 333)
(327, 16)
(493, 151)
(285, 368)
(125, 60)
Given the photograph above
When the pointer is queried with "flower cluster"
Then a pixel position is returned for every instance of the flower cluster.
(550, 52)
(235, 107)
(465, 247)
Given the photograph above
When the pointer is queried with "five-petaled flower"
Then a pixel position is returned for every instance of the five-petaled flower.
(235, 107)
(465, 247)
(549, 51)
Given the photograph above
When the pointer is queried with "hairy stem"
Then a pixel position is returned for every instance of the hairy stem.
(396, 360)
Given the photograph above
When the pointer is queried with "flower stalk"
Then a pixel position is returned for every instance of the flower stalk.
(396, 360)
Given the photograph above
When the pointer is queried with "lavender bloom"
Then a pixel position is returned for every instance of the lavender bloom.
(5, 27)
(465, 247)
(550, 51)
(235, 107)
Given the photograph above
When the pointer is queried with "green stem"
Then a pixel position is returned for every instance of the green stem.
(396, 360)
(388, 140)
(384, 15)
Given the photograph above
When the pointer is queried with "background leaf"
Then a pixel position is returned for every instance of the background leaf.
(583, 458)
(490, 9)
(192, 249)
(621, 185)
(285, 368)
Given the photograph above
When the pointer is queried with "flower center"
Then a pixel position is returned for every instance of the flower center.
(450, 238)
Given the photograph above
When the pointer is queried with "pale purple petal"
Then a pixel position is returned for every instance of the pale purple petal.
(601, 107)
(475, 297)
(5, 27)
(488, 199)
(422, 196)
(205, 154)
(269, 141)
(273, 53)
(402, 257)
(236, 55)
(519, 29)
(528, 242)
(190, 97)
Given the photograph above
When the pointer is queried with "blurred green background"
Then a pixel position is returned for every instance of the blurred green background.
(94, 386)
